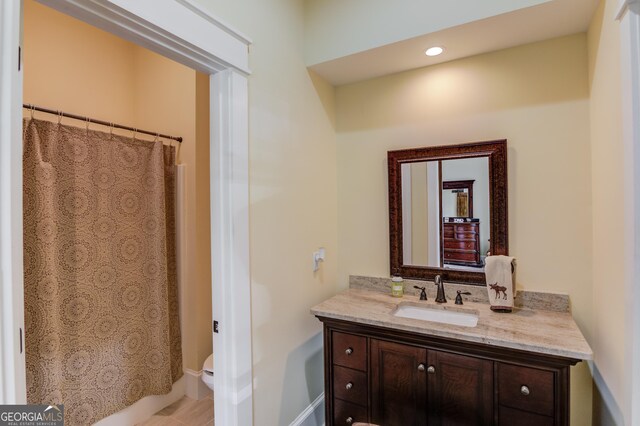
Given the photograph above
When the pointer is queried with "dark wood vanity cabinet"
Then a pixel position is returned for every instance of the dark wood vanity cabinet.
(388, 377)
(404, 377)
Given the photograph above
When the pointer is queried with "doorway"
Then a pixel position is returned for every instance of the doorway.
(207, 46)
(76, 68)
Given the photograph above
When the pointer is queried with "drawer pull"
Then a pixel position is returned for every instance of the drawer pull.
(349, 351)
(431, 369)
(421, 367)
(349, 420)
(525, 390)
(349, 386)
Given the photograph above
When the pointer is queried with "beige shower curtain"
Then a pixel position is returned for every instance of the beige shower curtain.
(101, 303)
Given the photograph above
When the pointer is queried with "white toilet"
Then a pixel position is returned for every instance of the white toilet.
(207, 372)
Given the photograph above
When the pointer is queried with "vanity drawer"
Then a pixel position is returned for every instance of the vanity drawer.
(347, 414)
(349, 350)
(509, 416)
(525, 388)
(350, 385)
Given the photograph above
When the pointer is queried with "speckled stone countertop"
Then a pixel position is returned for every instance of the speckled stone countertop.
(539, 331)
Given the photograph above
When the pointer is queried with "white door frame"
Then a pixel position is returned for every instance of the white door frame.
(629, 18)
(186, 33)
(12, 366)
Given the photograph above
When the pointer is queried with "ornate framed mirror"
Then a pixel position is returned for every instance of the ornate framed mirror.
(447, 210)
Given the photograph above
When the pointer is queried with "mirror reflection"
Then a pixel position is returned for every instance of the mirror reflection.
(445, 213)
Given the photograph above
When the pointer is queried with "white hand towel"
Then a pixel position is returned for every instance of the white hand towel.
(500, 272)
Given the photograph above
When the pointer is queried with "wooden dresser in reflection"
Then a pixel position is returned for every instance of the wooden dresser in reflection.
(461, 243)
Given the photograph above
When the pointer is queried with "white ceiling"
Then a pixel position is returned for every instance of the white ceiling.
(552, 19)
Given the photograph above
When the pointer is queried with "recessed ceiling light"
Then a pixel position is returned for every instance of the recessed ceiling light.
(434, 51)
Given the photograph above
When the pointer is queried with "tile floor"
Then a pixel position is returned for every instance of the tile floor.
(185, 411)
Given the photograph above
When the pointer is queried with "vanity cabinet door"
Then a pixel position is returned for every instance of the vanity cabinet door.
(398, 384)
(460, 390)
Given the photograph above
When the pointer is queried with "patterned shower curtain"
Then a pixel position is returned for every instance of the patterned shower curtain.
(101, 302)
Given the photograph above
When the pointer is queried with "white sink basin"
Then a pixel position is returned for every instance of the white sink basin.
(437, 314)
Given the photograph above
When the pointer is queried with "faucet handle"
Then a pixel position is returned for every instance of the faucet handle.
(423, 292)
(459, 297)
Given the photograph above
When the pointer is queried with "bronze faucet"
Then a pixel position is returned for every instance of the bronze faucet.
(440, 297)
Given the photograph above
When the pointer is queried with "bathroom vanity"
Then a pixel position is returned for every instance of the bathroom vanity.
(390, 370)
(403, 361)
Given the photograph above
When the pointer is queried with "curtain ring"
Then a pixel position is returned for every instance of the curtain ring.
(157, 137)
(134, 133)
(60, 115)
(111, 130)
(87, 122)
(32, 111)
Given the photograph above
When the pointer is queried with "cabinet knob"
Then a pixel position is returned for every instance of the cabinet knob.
(431, 369)
(349, 385)
(421, 367)
(524, 390)
(349, 420)
(349, 351)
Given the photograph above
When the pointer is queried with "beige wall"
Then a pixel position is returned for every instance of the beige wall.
(71, 66)
(203, 220)
(292, 206)
(537, 97)
(64, 70)
(608, 338)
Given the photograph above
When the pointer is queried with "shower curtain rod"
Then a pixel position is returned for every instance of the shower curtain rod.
(104, 123)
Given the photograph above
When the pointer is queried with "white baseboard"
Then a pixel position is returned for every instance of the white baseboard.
(313, 415)
(195, 388)
(145, 408)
